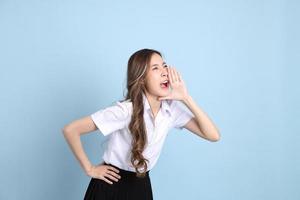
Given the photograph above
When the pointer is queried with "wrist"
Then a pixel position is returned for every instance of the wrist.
(186, 99)
(88, 169)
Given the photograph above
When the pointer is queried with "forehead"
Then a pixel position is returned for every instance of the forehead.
(156, 59)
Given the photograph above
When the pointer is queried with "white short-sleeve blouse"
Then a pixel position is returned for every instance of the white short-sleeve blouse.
(113, 122)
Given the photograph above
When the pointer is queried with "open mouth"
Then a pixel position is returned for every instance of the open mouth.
(164, 84)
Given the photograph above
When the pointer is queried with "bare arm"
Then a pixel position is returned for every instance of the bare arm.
(201, 124)
(72, 133)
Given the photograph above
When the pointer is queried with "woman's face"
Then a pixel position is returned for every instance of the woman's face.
(157, 80)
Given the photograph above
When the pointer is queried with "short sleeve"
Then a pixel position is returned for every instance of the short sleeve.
(111, 118)
(181, 116)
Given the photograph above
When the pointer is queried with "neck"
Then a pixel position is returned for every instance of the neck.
(153, 102)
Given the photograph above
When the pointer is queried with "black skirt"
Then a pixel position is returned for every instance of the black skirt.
(129, 187)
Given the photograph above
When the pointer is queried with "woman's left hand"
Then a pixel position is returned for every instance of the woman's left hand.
(179, 91)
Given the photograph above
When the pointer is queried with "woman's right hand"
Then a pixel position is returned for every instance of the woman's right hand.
(102, 171)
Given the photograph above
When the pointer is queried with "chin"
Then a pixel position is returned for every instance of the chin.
(164, 94)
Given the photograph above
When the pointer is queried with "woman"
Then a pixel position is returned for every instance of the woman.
(137, 127)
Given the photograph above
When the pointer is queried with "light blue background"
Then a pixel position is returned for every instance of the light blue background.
(63, 60)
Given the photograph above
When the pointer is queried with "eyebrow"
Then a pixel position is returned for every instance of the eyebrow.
(157, 64)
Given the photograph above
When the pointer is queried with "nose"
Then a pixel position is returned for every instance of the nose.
(164, 72)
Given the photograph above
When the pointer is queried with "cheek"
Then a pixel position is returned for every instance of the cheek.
(152, 85)
(152, 81)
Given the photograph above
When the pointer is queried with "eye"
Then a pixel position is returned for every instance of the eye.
(154, 68)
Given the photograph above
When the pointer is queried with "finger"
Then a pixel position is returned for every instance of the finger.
(174, 74)
(106, 180)
(111, 177)
(170, 74)
(178, 76)
(113, 169)
(114, 174)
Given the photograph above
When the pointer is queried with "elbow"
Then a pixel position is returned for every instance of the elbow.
(69, 130)
(66, 130)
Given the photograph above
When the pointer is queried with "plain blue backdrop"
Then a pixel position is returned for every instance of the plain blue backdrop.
(63, 60)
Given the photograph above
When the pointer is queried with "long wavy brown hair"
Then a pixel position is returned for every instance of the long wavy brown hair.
(137, 68)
